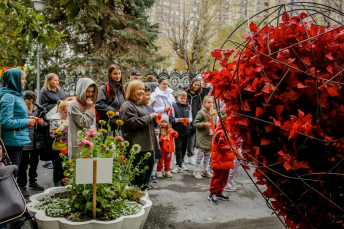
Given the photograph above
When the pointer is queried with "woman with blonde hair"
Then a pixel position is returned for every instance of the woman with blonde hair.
(138, 127)
(51, 93)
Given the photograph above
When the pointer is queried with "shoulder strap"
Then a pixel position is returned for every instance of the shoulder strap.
(107, 94)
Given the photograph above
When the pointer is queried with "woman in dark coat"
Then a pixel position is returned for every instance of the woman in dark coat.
(138, 127)
(51, 93)
(111, 96)
(195, 101)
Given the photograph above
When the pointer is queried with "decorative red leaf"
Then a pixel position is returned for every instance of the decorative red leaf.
(286, 17)
(295, 165)
(304, 164)
(300, 85)
(287, 165)
(303, 15)
(243, 122)
(277, 123)
(264, 141)
(259, 111)
(301, 114)
(307, 61)
(269, 128)
(281, 153)
(288, 125)
(331, 91)
(329, 56)
(293, 130)
(279, 109)
(330, 69)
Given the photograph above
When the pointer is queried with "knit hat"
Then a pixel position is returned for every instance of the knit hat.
(164, 117)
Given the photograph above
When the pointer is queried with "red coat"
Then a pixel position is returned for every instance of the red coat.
(222, 156)
(167, 145)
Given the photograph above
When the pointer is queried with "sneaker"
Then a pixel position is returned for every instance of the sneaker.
(192, 161)
(229, 188)
(149, 187)
(197, 174)
(163, 173)
(222, 197)
(233, 184)
(159, 174)
(186, 159)
(184, 167)
(169, 174)
(177, 170)
(25, 192)
(213, 200)
(36, 187)
(154, 180)
(48, 165)
(206, 173)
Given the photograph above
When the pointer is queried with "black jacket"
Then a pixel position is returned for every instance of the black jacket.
(205, 92)
(40, 132)
(105, 104)
(48, 99)
(195, 101)
(181, 111)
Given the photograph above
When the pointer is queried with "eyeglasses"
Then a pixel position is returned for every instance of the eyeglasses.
(90, 92)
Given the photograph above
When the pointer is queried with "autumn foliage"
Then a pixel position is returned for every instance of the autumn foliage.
(284, 98)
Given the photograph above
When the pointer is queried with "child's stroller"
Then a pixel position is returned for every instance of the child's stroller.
(13, 211)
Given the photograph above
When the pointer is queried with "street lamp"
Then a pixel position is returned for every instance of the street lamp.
(39, 7)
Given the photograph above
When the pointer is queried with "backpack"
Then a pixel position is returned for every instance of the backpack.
(0, 112)
(107, 94)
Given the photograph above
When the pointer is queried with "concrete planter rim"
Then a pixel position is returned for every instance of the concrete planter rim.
(40, 214)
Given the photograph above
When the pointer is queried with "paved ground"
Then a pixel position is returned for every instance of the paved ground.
(180, 203)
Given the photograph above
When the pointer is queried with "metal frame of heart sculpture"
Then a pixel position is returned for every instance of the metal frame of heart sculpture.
(295, 155)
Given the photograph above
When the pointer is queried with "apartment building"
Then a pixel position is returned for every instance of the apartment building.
(231, 11)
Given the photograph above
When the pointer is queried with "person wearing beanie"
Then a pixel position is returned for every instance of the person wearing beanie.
(150, 81)
(166, 142)
(36, 147)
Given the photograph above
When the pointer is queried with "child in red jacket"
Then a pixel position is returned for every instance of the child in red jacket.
(222, 160)
(166, 146)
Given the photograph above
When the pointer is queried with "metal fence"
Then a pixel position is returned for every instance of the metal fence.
(177, 79)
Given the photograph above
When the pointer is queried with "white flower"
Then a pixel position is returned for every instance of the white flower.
(80, 133)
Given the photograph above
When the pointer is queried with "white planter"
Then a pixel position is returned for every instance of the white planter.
(136, 221)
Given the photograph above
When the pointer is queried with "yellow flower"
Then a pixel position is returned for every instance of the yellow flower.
(213, 112)
(101, 122)
(119, 122)
(110, 114)
(102, 131)
(95, 131)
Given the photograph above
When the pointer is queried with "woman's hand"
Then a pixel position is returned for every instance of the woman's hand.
(40, 122)
(207, 124)
(167, 108)
(32, 121)
(89, 103)
(154, 115)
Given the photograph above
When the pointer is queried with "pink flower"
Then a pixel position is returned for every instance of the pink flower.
(85, 142)
(91, 133)
(119, 138)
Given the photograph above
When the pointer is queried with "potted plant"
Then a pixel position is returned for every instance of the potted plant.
(119, 204)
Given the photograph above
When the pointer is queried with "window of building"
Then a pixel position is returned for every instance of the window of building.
(186, 7)
(194, 15)
(175, 12)
(165, 11)
(225, 6)
(260, 1)
(252, 1)
(251, 7)
(234, 1)
(251, 13)
(259, 8)
(175, 4)
(241, 16)
(223, 20)
(233, 21)
(242, 9)
(233, 14)
(223, 12)
(165, 3)
(233, 7)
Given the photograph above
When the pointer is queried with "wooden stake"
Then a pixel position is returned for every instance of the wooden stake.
(94, 188)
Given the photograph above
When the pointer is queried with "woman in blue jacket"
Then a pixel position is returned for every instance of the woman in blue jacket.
(14, 115)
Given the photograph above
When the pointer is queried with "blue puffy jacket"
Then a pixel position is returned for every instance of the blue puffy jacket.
(13, 110)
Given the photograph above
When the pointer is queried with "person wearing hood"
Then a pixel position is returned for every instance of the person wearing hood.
(33, 150)
(150, 81)
(81, 113)
(111, 96)
(195, 101)
(222, 160)
(164, 97)
(14, 117)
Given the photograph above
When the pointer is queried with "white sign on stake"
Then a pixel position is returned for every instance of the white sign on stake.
(84, 170)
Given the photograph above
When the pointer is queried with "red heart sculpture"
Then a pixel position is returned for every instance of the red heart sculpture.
(284, 97)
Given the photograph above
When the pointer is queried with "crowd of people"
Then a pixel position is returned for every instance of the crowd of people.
(162, 121)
